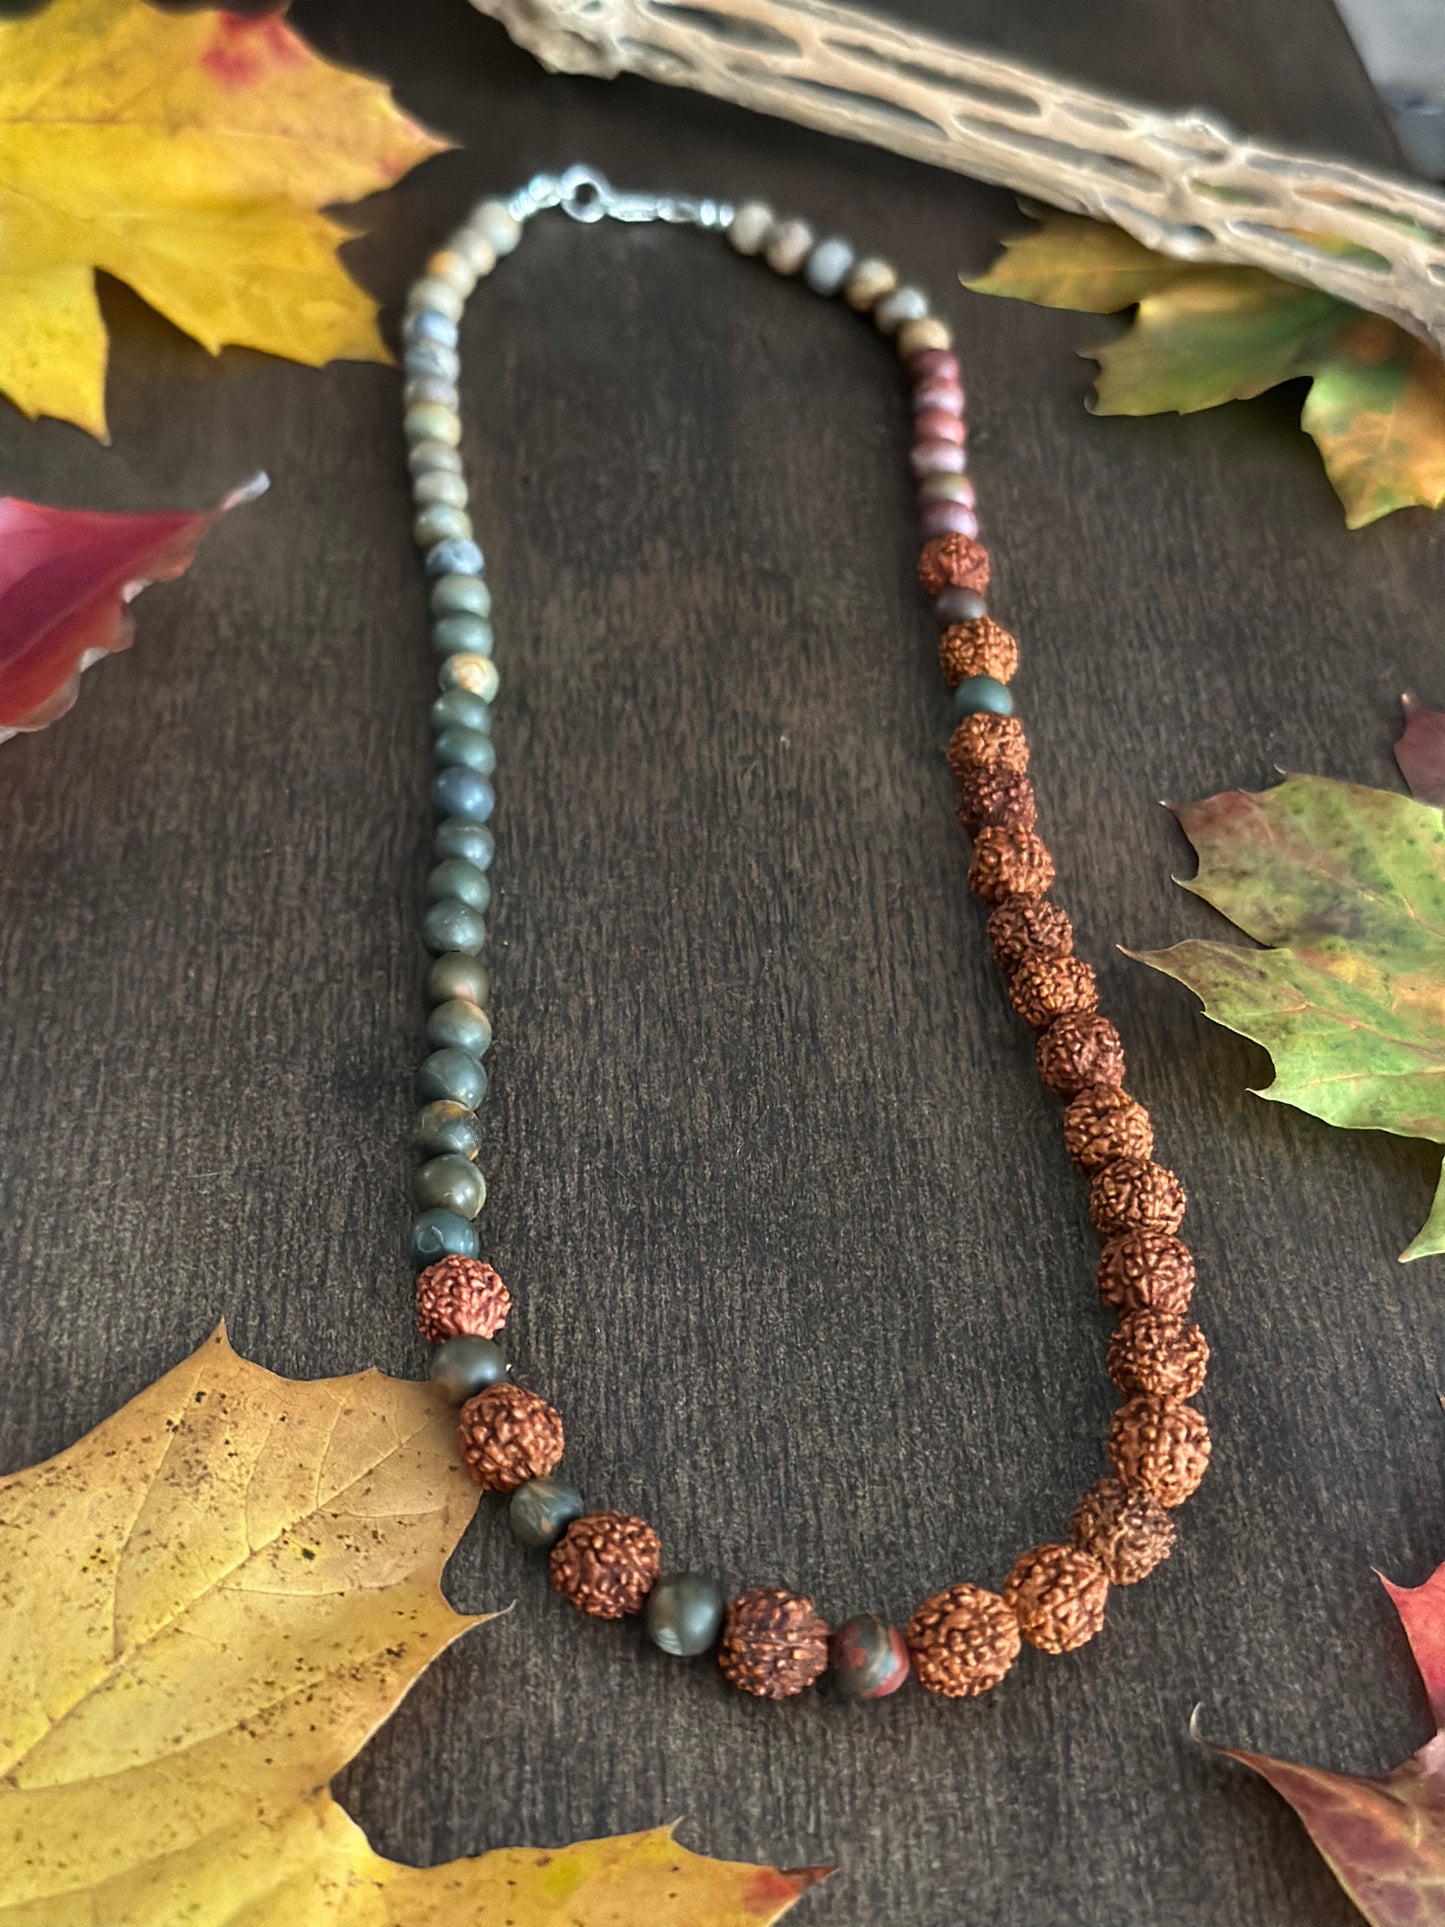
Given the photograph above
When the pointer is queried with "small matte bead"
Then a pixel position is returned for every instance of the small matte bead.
(440, 522)
(788, 246)
(460, 709)
(419, 388)
(453, 635)
(454, 554)
(466, 1365)
(459, 1024)
(451, 1184)
(446, 1130)
(684, 1614)
(458, 976)
(438, 486)
(452, 268)
(454, 836)
(430, 358)
(976, 695)
(937, 458)
(451, 1075)
(460, 595)
(868, 1658)
(475, 249)
(946, 488)
(451, 925)
(426, 324)
(931, 363)
(466, 749)
(461, 792)
(540, 1511)
(869, 282)
(442, 1234)
(914, 337)
(750, 227)
(947, 518)
(432, 292)
(426, 458)
(455, 877)
(475, 674)
(938, 393)
(496, 225)
(904, 304)
(430, 422)
(938, 425)
(829, 265)
(958, 605)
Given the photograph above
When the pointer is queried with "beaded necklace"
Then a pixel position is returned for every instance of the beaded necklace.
(770, 1641)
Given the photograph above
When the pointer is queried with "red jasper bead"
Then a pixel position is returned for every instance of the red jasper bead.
(938, 393)
(937, 425)
(868, 1658)
(934, 361)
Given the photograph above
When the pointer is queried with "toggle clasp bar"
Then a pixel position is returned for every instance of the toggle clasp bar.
(585, 195)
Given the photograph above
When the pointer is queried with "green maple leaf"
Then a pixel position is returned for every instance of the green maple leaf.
(1348, 887)
(1203, 335)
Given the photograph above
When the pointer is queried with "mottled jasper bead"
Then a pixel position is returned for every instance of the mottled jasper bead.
(507, 1436)
(774, 1643)
(1135, 1194)
(962, 1641)
(1160, 1352)
(947, 518)
(1126, 1531)
(460, 1295)
(605, 1564)
(979, 648)
(1043, 988)
(1009, 863)
(937, 458)
(684, 1613)
(868, 1657)
(1077, 1051)
(457, 975)
(1146, 1271)
(1103, 1123)
(540, 1511)
(445, 1129)
(938, 425)
(995, 799)
(985, 741)
(1023, 927)
(1159, 1446)
(953, 562)
(1057, 1594)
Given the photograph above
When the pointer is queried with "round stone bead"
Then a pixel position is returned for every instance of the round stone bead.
(788, 246)
(498, 227)
(938, 392)
(440, 522)
(869, 282)
(472, 842)
(460, 634)
(937, 458)
(454, 555)
(958, 605)
(461, 792)
(460, 709)
(903, 304)
(466, 1365)
(938, 425)
(460, 1024)
(684, 1614)
(442, 1234)
(540, 1511)
(432, 292)
(419, 388)
(947, 518)
(458, 975)
(475, 249)
(460, 594)
(447, 1130)
(424, 457)
(449, 925)
(455, 877)
(454, 269)
(439, 487)
(466, 671)
(451, 1184)
(922, 336)
(430, 358)
(430, 422)
(829, 265)
(868, 1657)
(428, 324)
(978, 693)
(453, 1075)
(465, 749)
(946, 488)
(750, 227)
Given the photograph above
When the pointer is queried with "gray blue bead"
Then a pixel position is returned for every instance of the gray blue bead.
(450, 1183)
(976, 694)
(829, 265)
(442, 1234)
(431, 358)
(458, 975)
(472, 842)
(462, 709)
(540, 1511)
(455, 633)
(450, 925)
(460, 594)
(461, 792)
(451, 1074)
(465, 1365)
(455, 877)
(425, 324)
(465, 749)
(445, 1129)
(458, 555)
(684, 1614)
(958, 605)
(459, 1024)
(429, 388)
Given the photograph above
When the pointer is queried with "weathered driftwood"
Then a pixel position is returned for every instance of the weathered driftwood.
(1183, 183)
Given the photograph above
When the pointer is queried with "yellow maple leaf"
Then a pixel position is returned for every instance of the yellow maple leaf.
(186, 154)
(206, 1607)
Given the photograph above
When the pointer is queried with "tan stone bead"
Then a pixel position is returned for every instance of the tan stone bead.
(1159, 1446)
(962, 1642)
(1057, 1594)
(1043, 988)
(1159, 1352)
(981, 647)
(868, 283)
(1126, 1531)
(1135, 1194)
(986, 741)
(1009, 863)
(1104, 1122)
(927, 332)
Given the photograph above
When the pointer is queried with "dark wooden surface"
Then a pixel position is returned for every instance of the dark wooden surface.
(797, 1248)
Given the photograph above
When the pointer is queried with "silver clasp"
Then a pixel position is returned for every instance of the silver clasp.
(587, 196)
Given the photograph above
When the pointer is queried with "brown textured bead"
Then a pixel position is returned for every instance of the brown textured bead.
(1125, 1531)
(1146, 1271)
(1160, 1446)
(1158, 1351)
(1028, 927)
(982, 647)
(1009, 863)
(953, 562)
(460, 1295)
(606, 1563)
(1057, 1594)
(1043, 988)
(997, 799)
(509, 1435)
(773, 1644)
(1077, 1051)
(1104, 1122)
(1135, 1194)
(962, 1642)
(986, 741)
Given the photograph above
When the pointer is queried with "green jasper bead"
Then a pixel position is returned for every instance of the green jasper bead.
(439, 485)
(466, 1365)
(454, 1075)
(460, 1025)
(455, 836)
(460, 595)
(429, 421)
(454, 635)
(440, 522)
(447, 1130)
(976, 694)
(467, 749)
(460, 709)
(458, 975)
(450, 924)
(451, 1184)
(442, 1234)
(684, 1614)
(455, 877)
(540, 1511)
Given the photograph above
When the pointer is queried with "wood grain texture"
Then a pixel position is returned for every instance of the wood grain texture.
(797, 1248)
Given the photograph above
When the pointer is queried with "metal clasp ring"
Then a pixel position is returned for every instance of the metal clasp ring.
(586, 195)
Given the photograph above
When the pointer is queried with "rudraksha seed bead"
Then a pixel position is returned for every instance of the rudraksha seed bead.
(1159, 1446)
(1161, 1352)
(1104, 1122)
(997, 799)
(509, 1435)
(1009, 863)
(457, 1296)
(1146, 1271)
(774, 1644)
(953, 562)
(1077, 1051)
(606, 1563)
(1135, 1194)
(982, 647)
(1126, 1531)
(1057, 1594)
(868, 1658)
(986, 741)
(963, 1641)
(1028, 927)
(1043, 988)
